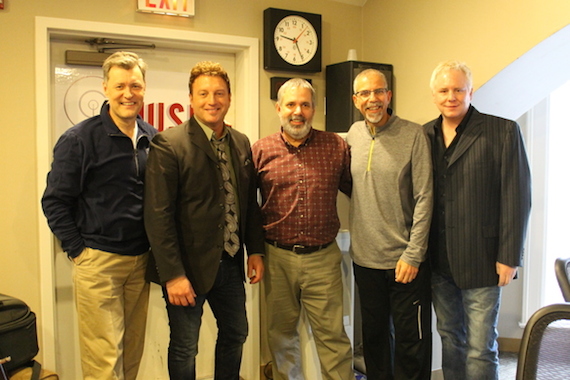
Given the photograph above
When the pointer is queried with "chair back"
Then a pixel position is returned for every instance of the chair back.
(562, 269)
(545, 346)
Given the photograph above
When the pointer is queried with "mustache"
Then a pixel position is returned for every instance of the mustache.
(375, 104)
(298, 118)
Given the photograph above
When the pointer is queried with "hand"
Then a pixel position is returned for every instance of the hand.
(405, 273)
(180, 292)
(255, 268)
(506, 273)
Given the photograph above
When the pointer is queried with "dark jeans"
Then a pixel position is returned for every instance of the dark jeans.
(407, 355)
(227, 301)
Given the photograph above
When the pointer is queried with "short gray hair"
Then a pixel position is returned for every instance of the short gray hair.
(366, 72)
(452, 65)
(296, 82)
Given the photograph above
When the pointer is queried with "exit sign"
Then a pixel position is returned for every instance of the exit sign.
(184, 8)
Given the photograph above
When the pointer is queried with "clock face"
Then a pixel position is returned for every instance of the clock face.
(295, 40)
(291, 40)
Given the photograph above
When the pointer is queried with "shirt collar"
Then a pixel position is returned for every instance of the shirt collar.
(461, 127)
(209, 132)
(383, 127)
(306, 142)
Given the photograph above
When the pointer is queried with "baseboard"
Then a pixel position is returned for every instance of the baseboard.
(509, 344)
(437, 374)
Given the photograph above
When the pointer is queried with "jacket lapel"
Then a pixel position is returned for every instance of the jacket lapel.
(237, 161)
(471, 133)
(199, 138)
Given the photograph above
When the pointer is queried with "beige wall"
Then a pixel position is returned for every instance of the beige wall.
(19, 203)
(413, 35)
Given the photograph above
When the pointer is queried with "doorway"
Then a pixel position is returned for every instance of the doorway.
(169, 66)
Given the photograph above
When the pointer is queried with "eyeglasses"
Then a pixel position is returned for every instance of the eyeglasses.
(366, 93)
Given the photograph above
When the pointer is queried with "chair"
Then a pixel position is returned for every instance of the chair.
(545, 346)
(562, 269)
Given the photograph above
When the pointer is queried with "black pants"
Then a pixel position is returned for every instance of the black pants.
(405, 352)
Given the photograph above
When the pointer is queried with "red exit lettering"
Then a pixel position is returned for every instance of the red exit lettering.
(165, 4)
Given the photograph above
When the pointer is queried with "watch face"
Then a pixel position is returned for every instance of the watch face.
(295, 40)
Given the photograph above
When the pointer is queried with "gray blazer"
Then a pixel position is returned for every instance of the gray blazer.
(488, 196)
(184, 198)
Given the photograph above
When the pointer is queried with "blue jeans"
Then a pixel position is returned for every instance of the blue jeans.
(467, 322)
(227, 301)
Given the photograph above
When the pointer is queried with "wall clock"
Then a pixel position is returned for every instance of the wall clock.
(291, 40)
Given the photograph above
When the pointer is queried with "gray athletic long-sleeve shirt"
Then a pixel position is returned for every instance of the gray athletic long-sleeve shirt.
(391, 203)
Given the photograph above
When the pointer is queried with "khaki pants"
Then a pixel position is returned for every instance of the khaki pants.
(312, 282)
(111, 297)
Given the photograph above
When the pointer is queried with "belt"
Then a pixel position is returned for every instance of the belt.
(299, 248)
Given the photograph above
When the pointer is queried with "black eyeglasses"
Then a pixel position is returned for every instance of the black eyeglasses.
(366, 93)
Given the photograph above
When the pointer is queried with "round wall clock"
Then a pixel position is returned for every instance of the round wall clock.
(292, 40)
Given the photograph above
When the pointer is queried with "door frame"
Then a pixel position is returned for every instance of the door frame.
(245, 101)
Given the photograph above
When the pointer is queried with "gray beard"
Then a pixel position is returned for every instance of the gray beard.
(376, 120)
(297, 133)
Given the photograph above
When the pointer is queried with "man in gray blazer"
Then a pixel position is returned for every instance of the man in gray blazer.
(481, 208)
(200, 210)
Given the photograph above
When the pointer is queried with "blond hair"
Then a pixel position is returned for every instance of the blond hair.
(452, 65)
(125, 60)
(208, 68)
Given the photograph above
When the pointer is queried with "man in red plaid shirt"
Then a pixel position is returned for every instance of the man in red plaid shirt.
(300, 171)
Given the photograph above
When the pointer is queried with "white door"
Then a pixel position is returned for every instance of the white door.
(76, 93)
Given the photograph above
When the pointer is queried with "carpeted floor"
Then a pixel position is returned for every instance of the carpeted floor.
(507, 365)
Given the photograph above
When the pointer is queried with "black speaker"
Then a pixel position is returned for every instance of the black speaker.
(340, 110)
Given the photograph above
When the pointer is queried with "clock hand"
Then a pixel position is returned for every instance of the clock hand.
(300, 53)
(300, 34)
(289, 38)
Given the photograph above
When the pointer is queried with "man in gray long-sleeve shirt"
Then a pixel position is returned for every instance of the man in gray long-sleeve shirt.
(390, 214)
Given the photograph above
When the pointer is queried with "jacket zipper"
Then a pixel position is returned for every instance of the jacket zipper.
(370, 151)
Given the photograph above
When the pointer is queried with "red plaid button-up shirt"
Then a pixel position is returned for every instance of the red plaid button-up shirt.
(299, 186)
